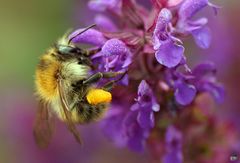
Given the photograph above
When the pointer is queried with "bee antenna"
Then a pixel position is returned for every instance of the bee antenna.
(84, 30)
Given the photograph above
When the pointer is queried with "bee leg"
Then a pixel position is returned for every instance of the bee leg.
(99, 75)
(111, 74)
(109, 85)
(93, 78)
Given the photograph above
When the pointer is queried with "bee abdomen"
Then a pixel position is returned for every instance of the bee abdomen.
(46, 78)
(86, 113)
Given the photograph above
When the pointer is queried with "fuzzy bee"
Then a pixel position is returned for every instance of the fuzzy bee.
(66, 90)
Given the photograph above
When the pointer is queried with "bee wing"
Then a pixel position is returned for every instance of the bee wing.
(44, 125)
(70, 124)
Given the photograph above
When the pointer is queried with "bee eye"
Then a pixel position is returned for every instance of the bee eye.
(75, 51)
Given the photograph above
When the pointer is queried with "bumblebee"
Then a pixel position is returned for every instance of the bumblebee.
(66, 90)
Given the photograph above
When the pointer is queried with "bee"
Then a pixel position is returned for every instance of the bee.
(65, 89)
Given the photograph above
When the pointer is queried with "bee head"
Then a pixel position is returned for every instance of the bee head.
(67, 52)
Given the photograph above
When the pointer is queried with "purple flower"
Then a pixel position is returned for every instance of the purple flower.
(135, 134)
(168, 52)
(140, 120)
(105, 23)
(132, 127)
(204, 69)
(205, 81)
(201, 79)
(173, 140)
(202, 37)
(184, 93)
(113, 125)
(115, 55)
(121, 127)
(101, 5)
(172, 3)
(190, 7)
(91, 36)
(160, 33)
(197, 28)
(146, 105)
(146, 45)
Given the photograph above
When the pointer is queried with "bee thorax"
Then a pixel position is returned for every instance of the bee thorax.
(74, 71)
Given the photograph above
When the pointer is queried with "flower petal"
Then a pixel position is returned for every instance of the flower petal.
(116, 55)
(91, 36)
(136, 143)
(216, 90)
(115, 47)
(202, 37)
(102, 5)
(173, 3)
(173, 157)
(169, 54)
(145, 119)
(173, 139)
(112, 126)
(190, 7)
(204, 69)
(97, 5)
(105, 23)
(134, 107)
(160, 35)
(184, 93)
(143, 88)
(126, 59)
(164, 17)
(125, 80)
(134, 133)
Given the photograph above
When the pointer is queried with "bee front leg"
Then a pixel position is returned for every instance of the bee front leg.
(99, 75)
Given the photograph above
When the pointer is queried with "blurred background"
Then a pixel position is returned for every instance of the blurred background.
(29, 27)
